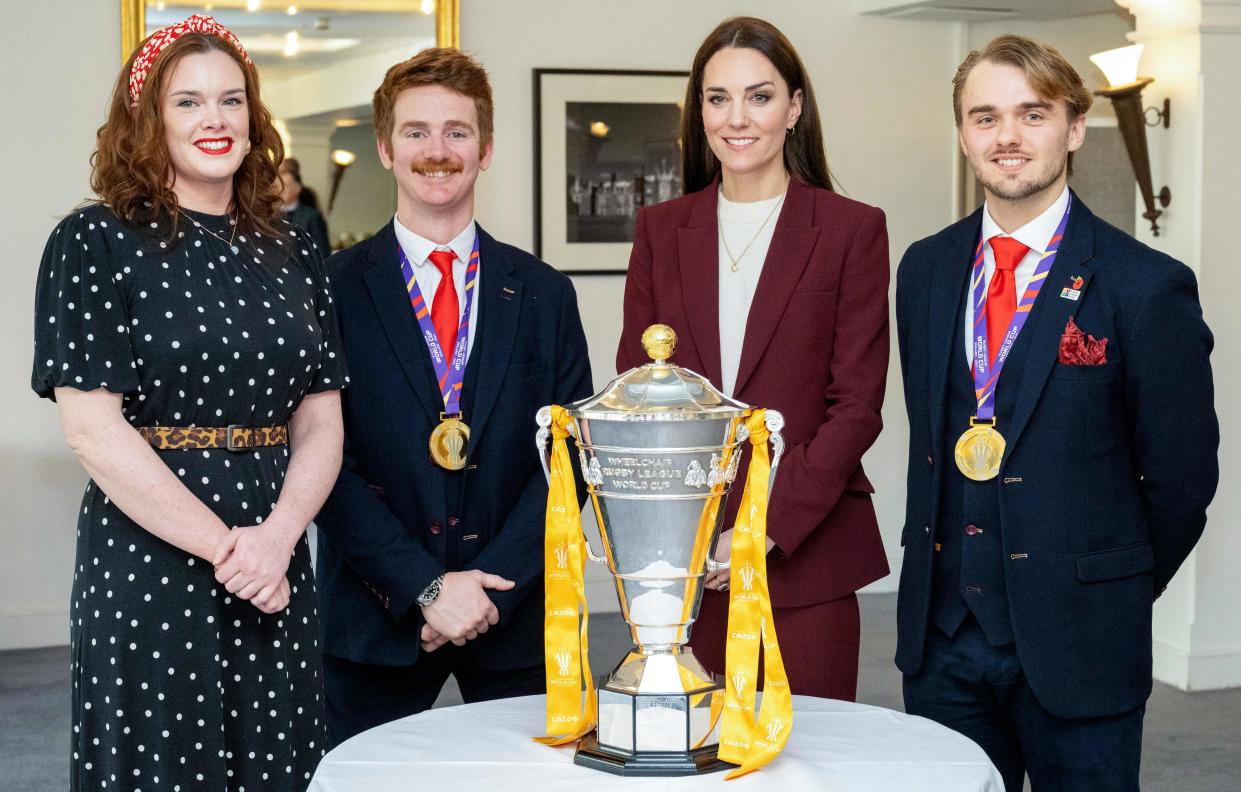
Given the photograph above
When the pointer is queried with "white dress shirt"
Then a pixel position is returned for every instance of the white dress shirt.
(740, 225)
(1035, 235)
(418, 251)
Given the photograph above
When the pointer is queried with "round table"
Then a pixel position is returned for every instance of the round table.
(835, 745)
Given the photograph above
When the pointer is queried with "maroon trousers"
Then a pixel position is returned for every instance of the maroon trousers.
(819, 643)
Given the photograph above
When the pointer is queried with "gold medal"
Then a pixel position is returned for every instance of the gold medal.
(979, 451)
(449, 441)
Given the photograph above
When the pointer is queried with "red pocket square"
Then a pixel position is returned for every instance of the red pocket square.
(1079, 349)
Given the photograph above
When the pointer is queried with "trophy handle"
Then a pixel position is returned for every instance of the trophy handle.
(774, 422)
(544, 419)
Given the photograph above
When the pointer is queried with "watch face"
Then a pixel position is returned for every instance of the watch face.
(430, 593)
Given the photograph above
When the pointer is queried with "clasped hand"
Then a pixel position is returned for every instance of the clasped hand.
(251, 562)
(462, 611)
(723, 552)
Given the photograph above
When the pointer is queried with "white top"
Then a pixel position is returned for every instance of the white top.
(834, 745)
(739, 224)
(1035, 235)
(418, 251)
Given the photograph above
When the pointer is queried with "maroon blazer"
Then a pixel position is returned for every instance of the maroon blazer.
(815, 348)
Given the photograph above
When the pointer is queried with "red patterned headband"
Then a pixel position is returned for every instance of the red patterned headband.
(165, 36)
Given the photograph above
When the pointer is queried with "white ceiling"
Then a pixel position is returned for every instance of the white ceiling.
(983, 10)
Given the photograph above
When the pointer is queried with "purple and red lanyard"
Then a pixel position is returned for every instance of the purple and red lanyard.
(449, 374)
(984, 378)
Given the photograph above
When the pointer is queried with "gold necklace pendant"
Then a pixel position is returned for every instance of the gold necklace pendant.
(735, 260)
(979, 451)
(228, 241)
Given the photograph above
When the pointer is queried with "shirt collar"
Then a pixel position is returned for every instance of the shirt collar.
(418, 249)
(1035, 234)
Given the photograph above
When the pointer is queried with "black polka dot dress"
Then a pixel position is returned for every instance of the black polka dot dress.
(176, 684)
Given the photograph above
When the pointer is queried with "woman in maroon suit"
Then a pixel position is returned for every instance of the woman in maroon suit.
(777, 288)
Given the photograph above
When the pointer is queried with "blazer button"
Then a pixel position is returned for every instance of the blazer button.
(930, 461)
(436, 527)
(927, 529)
(452, 522)
(972, 529)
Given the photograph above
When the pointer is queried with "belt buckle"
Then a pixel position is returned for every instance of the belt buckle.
(228, 438)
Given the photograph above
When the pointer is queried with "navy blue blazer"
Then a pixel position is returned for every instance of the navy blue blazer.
(384, 531)
(1108, 469)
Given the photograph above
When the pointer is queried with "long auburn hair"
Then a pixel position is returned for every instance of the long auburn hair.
(804, 157)
(131, 169)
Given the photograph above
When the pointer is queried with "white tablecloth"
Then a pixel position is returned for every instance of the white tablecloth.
(836, 746)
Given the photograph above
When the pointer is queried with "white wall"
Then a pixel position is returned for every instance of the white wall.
(889, 138)
(57, 97)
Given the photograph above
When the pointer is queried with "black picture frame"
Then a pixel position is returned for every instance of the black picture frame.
(561, 233)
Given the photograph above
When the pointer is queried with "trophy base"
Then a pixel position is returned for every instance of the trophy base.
(647, 763)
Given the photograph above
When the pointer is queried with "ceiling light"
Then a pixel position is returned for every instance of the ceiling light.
(291, 44)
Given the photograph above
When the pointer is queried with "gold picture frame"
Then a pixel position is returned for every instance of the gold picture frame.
(133, 23)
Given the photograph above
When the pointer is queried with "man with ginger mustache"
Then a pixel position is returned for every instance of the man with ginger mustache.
(430, 558)
(1062, 446)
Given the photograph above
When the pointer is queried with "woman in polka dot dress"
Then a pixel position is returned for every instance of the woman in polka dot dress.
(179, 301)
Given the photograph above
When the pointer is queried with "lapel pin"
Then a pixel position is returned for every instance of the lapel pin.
(1073, 291)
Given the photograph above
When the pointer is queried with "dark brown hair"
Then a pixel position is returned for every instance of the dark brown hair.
(1051, 76)
(132, 171)
(445, 66)
(804, 157)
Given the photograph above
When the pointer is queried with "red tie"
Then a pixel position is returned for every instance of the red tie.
(444, 308)
(1001, 292)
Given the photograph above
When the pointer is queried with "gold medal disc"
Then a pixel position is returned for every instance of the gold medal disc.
(979, 451)
(449, 441)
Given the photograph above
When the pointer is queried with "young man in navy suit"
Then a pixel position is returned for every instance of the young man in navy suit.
(430, 546)
(1062, 448)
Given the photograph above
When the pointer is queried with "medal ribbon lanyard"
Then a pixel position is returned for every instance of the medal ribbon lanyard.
(985, 378)
(449, 374)
(744, 740)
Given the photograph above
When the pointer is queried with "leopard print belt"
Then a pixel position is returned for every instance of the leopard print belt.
(233, 438)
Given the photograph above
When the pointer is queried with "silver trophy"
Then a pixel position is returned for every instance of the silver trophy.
(659, 450)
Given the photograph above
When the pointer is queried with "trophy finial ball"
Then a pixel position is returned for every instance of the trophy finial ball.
(659, 340)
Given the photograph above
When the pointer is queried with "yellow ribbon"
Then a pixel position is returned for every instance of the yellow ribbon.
(744, 741)
(571, 697)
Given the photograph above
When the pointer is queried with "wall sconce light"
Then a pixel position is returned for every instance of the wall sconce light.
(599, 129)
(1124, 88)
(342, 159)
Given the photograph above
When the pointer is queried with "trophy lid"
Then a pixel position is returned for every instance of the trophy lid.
(659, 390)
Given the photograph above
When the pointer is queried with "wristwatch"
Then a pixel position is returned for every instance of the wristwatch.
(429, 593)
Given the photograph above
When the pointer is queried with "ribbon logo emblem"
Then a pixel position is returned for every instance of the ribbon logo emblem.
(773, 730)
(746, 573)
(562, 661)
(562, 556)
(739, 681)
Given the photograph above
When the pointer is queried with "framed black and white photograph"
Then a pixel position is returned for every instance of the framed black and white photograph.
(605, 145)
